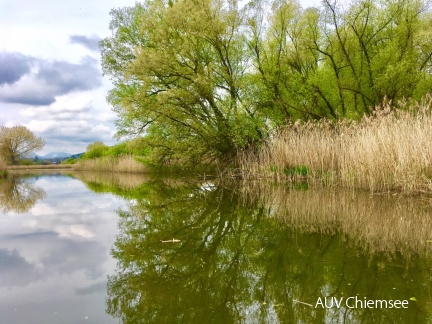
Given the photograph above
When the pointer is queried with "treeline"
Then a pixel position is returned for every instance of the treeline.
(199, 80)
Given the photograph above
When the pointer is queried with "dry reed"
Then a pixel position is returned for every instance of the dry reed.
(389, 150)
(2, 164)
(2, 168)
(126, 163)
(39, 167)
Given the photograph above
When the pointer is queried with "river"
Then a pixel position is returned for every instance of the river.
(109, 248)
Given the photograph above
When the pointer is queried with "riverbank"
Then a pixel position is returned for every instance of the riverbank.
(388, 151)
(39, 167)
(126, 163)
(3, 172)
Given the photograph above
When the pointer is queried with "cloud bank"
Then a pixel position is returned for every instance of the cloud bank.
(31, 81)
(13, 66)
(89, 42)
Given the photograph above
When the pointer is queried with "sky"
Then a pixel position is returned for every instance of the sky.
(50, 75)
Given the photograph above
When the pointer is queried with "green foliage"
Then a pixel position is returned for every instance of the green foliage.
(343, 60)
(95, 146)
(296, 170)
(183, 86)
(200, 80)
(27, 162)
(99, 149)
(96, 152)
(69, 161)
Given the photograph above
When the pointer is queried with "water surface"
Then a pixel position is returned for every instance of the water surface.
(55, 241)
(93, 248)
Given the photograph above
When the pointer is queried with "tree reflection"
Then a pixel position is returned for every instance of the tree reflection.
(19, 196)
(234, 264)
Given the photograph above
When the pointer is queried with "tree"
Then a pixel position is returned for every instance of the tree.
(203, 79)
(342, 60)
(95, 145)
(182, 86)
(17, 142)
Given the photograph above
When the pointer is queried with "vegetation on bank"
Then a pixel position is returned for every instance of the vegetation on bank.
(388, 150)
(118, 158)
(39, 167)
(290, 90)
(3, 172)
(202, 80)
(126, 163)
(130, 156)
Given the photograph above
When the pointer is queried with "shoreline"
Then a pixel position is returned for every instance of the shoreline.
(39, 167)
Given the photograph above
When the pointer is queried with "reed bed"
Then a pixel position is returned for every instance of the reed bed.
(39, 167)
(389, 150)
(2, 168)
(126, 163)
(388, 224)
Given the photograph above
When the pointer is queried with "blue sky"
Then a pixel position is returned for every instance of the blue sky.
(50, 75)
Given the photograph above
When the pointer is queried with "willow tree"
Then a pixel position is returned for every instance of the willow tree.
(280, 41)
(183, 68)
(372, 50)
(201, 79)
(342, 59)
(17, 142)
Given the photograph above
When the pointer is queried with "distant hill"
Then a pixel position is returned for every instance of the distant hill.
(77, 155)
(55, 155)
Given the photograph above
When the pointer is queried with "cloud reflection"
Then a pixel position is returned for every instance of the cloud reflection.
(15, 270)
(37, 256)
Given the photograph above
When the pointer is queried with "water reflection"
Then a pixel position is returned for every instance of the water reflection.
(54, 258)
(18, 195)
(387, 223)
(195, 252)
(111, 181)
(234, 262)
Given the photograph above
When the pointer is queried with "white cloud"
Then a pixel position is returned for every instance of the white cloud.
(61, 97)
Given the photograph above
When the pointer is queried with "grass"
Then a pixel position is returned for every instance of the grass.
(125, 163)
(389, 150)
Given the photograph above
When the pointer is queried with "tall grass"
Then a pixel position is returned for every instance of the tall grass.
(3, 166)
(389, 150)
(39, 167)
(125, 163)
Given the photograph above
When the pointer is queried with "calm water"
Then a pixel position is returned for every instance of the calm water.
(86, 248)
